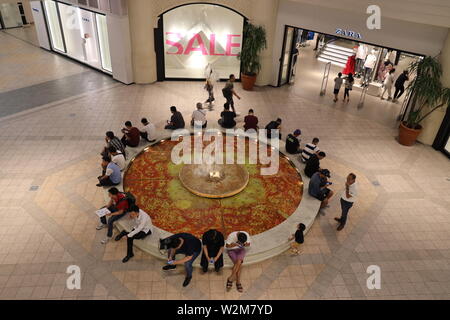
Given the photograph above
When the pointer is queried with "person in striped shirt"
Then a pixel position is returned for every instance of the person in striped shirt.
(113, 141)
(310, 149)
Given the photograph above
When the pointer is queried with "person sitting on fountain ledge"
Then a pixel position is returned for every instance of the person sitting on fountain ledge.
(318, 187)
(313, 163)
(111, 175)
(293, 142)
(250, 121)
(186, 244)
(113, 141)
(141, 229)
(213, 246)
(132, 135)
(118, 206)
(199, 116)
(148, 131)
(227, 117)
(236, 243)
(273, 125)
(176, 120)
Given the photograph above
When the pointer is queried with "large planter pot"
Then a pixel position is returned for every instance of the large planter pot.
(407, 136)
(248, 82)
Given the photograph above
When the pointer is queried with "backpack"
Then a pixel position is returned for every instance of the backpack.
(227, 93)
(130, 198)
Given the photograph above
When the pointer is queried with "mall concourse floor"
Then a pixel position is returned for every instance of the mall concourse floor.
(50, 161)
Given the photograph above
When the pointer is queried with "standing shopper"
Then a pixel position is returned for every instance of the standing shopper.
(349, 81)
(228, 92)
(387, 85)
(400, 85)
(337, 86)
(347, 199)
(209, 86)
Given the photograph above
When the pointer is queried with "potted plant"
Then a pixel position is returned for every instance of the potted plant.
(254, 41)
(427, 93)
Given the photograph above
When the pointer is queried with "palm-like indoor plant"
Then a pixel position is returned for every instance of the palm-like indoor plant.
(254, 41)
(427, 94)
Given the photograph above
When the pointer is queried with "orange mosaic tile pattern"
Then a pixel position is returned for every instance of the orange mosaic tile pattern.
(266, 201)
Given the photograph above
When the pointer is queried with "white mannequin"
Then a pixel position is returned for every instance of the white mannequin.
(362, 51)
(371, 60)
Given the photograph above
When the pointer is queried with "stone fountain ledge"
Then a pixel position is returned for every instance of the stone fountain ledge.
(264, 245)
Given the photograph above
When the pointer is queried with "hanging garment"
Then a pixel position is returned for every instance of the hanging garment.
(350, 66)
(310, 35)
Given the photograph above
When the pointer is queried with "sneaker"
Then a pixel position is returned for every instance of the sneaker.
(169, 267)
(99, 185)
(186, 282)
(382, 98)
(340, 227)
(124, 260)
(105, 241)
(101, 226)
(337, 219)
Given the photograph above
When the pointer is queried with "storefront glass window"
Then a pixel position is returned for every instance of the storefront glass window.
(80, 34)
(54, 26)
(103, 41)
(198, 35)
(11, 15)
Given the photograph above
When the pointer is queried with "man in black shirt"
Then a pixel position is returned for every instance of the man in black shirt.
(313, 164)
(176, 120)
(227, 117)
(273, 125)
(188, 245)
(293, 143)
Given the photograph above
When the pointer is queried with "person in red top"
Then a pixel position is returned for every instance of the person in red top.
(250, 121)
(132, 135)
(118, 205)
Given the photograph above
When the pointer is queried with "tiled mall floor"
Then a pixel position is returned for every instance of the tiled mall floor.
(401, 221)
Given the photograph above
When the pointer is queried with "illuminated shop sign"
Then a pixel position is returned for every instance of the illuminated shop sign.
(348, 33)
(199, 35)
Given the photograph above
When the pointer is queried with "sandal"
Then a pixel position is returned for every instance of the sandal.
(229, 284)
(239, 287)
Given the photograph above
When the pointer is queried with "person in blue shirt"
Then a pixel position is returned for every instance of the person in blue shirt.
(112, 176)
(318, 187)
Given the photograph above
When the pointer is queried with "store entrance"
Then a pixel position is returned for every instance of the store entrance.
(313, 60)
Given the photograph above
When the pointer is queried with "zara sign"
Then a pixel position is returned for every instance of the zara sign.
(348, 33)
(198, 35)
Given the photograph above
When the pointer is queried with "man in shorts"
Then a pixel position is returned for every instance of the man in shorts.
(318, 187)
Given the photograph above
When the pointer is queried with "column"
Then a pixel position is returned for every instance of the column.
(433, 122)
(142, 24)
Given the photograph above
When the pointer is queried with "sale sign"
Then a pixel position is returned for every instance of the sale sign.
(197, 43)
(201, 35)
